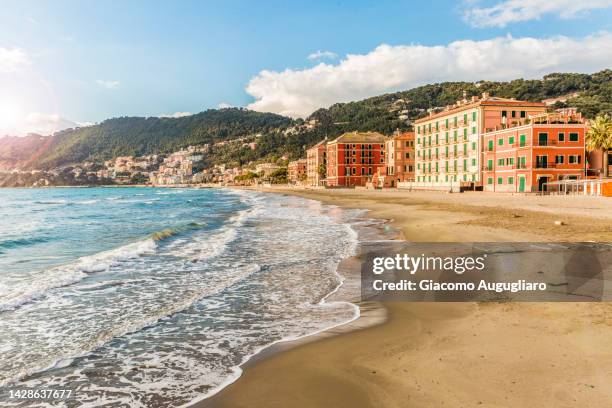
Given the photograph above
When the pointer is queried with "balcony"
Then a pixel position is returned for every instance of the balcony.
(540, 165)
(544, 143)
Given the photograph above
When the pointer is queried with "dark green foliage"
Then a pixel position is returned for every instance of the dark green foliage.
(131, 136)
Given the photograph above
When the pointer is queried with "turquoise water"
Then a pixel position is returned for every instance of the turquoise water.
(154, 297)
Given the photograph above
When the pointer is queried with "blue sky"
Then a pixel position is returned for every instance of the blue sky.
(84, 61)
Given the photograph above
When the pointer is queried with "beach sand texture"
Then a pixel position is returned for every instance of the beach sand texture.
(453, 354)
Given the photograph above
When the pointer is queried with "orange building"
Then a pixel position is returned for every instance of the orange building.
(524, 158)
(399, 157)
(316, 164)
(354, 158)
(448, 146)
(296, 171)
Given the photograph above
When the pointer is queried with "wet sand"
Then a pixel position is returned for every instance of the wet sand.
(452, 354)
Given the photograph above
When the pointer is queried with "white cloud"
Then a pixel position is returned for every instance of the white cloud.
(176, 115)
(319, 55)
(298, 93)
(225, 105)
(36, 122)
(513, 11)
(108, 84)
(12, 59)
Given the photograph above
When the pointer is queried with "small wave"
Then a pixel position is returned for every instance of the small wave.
(21, 242)
(51, 202)
(72, 273)
(86, 202)
(170, 232)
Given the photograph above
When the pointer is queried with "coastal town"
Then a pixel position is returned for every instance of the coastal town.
(484, 143)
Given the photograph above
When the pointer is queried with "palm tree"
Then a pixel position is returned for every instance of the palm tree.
(599, 137)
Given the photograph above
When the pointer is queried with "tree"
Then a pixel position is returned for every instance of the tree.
(599, 137)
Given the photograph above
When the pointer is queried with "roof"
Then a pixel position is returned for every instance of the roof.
(321, 143)
(487, 101)
(360, 137)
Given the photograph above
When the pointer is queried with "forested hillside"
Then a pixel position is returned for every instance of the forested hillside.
(138, 136)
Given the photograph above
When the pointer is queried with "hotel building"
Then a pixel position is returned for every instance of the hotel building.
(399, 159)
(524, 158)
(449, 143)
(354, 158)
(296, 171)
(316, 164)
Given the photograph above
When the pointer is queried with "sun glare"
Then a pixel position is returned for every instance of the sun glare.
(10, 115)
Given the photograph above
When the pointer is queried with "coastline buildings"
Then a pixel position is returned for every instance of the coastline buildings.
(399, 159)
(296, 172)
(316, 162)
(449, 143)
(353, 158)
(524, 158)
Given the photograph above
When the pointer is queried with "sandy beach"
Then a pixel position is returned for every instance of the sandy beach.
(453, 354)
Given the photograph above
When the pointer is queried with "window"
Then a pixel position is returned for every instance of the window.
(574, 159)
(465, 133)
(522, 162)
(500, 162)
(504, 114)
(500, 180)
(354, 170)
(418, 129)
(473, 130)
(455, 135)
(511, 140)
(473, 162)
(510, 180)
(465, 118)
(522, 139)
(446, 123)
(489, 180)
(561, 137)
(500, 141)
(523, 114)
(464, 164)
(543, 139)
(573, 137)
(473, 116)
(514, 114)
(465, 148)
(559, 159)
(490, 164)
(473, 145)
(363, 171)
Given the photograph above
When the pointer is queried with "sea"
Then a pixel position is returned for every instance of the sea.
(155, 297)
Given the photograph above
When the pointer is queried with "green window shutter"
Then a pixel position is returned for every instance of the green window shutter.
(511, 140)
(473, 130)
(490, 164)
(522, 140)
(473, 145)
(490, 145)
(510, 180)
(489, 180)
(500, 180)
(474, 116)
(465, 133)
(465, 118)
(500, 141)
(473, 162)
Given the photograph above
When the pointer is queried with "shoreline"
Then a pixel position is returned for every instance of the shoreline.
(367, 313)
(303, 390)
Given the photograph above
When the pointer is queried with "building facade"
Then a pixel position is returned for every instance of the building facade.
(524, 158)
(316, 163)
(354, 158)
(399, 159)
(449, 143)
(296, 172)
